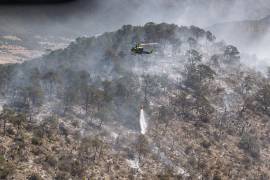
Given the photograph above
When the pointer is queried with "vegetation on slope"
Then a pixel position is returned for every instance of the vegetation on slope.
(75, 112)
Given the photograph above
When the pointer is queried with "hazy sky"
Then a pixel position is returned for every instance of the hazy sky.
(97, 16)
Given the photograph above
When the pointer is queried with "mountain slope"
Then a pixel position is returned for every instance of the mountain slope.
(75, 113)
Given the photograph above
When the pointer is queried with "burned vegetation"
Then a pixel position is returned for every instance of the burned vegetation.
(74, 113)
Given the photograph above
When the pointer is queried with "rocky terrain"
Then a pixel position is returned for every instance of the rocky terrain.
(76, 112)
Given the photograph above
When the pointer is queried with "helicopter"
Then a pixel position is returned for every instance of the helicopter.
(139, 49)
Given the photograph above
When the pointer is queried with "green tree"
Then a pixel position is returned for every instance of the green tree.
(192, 42)
(19, 120)
(210, 37)
(203, 108)
(108, 90)
(6, 168)
(195, 74)
(250, 144)
(231, 55)
(6, 72)
(205, 72)
(90, 149)
(51, 78)
(6, 115)
(263, 98)
(193, 57)
(146, 86)
(182, 104)
(69, 97)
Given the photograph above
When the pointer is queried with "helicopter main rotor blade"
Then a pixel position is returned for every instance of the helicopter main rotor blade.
(145, 44)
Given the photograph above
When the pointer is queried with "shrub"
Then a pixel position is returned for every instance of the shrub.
(250, 144)
(188, 149)
(52, 161)
(65, 163)
(36, 151)
(36, 141)
(62, 176)
(35, 177)
(77, 169)
(217, 177)
(63, 130)
(264, 176)
(75, 123)
(205, 144)
(38, 132)
(10, 131)
(5, 168)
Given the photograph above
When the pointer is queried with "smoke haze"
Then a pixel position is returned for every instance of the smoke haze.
(92, 17)
(97, 16)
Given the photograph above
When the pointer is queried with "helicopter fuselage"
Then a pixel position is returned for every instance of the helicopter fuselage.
(140, 50)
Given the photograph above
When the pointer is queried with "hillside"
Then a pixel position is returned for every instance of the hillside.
(20, 48)
(190, 110)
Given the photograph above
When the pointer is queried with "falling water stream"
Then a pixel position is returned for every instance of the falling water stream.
(134, 163)
(143, 123)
